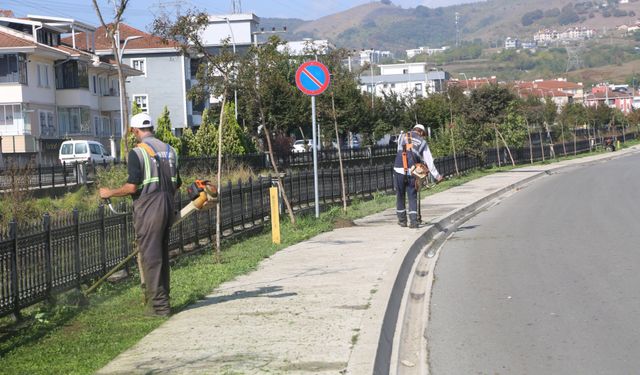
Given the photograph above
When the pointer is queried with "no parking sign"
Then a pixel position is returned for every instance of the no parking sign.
(312, 78)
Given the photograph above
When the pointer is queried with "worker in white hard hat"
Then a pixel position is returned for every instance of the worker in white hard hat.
(153, 181)
(413, 158)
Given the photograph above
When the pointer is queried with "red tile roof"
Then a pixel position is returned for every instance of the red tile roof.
(6, 13)
(147, 41)
(8, 40)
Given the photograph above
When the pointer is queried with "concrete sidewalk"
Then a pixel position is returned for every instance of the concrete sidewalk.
(318, 306)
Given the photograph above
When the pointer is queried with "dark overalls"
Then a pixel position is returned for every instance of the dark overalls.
(406, 183)
(153, 215)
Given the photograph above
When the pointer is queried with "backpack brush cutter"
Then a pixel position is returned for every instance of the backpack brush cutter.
(202, 194)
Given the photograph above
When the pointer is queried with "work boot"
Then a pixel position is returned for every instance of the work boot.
(413, 225)
(402, 223)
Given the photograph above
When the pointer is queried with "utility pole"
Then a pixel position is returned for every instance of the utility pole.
(457, 30)
(236, 6)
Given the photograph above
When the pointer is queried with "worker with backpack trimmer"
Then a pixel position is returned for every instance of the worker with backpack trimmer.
(413, 163)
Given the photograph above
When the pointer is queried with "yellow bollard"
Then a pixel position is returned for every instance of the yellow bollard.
(275, 215)
(617, 145)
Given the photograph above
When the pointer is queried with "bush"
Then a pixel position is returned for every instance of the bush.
(531, 17)
(568, 16)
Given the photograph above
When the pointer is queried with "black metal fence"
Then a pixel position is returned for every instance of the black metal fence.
(42, 176)
(38, 260)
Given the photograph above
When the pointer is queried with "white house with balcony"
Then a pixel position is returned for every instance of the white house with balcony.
(50, 92)
(407, 80)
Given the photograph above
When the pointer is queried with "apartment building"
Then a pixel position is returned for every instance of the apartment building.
(50, 92)
(165, 72)
(407, 79)
(604, 94)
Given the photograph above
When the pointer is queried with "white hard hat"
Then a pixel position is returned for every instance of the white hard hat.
(420, 126)
(141, 120)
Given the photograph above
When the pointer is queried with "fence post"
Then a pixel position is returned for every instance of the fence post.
(230, 189)
(46, 226)
(103, 239)
(252, 192)
(124, 238)
(76, 246)
(15, 290)
(241, 203)
(180, 225)
(39, 176)
(64, 173)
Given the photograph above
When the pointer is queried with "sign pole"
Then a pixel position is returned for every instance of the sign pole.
(312, 78)
(315, 156)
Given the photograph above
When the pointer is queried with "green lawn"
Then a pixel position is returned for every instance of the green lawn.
(76, 337)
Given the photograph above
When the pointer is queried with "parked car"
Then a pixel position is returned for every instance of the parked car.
(299, 145)
(84, 151)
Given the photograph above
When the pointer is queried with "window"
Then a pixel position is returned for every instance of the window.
(10, 114)
(43, 75)
(95, 86)
(46, 76)
(405, 71)
(140, 64)
(47, 127)
(115, 88)
(106, 126)
(72, 75)
(74, 121)
(81, 148)
(13, 68)
(67, 149)
(102, 83)
(142, 101)
(95, 149)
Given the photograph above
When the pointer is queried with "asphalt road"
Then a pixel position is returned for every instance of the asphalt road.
(546, 282)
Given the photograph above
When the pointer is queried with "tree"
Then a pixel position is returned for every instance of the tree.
(233, 137)
(206, 138)
(135, 109)
(216, 74)
(189, 143)
(163, 131)
(433, 111)
(264, 87)
(113, 35)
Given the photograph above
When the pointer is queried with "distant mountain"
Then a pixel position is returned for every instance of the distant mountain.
(385, 26)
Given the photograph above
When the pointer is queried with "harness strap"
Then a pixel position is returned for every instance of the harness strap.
(408, 145)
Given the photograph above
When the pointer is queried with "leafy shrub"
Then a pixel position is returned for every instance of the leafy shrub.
(531, 17)
(568, 16)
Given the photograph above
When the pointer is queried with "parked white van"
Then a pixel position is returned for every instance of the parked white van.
(84, 151)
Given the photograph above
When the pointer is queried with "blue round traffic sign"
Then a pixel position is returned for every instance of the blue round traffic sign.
(312, 78)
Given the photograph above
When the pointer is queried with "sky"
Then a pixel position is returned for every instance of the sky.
(140, 13)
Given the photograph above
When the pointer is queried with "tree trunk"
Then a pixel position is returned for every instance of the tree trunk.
(497, 146)
(453, 147)
(267, 133)
(513, 163)
(564, 143)
(219, 179)
(530, 143)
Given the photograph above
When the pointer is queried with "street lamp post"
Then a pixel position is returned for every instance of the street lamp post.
(120, 51)
(233, 43)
